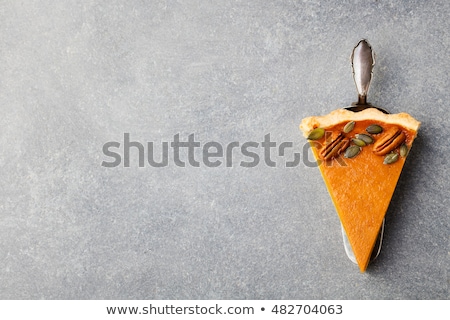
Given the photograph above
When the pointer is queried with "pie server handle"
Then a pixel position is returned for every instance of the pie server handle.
(363, 60)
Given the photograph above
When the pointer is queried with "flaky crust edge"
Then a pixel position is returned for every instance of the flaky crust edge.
(342, 115)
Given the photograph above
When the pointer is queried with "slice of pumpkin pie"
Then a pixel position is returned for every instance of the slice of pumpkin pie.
(361, 156)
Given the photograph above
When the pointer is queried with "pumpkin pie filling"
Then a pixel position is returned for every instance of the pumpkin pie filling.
(360, 157)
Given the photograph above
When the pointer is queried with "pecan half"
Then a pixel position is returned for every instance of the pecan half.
(335, 147)
(392, 139)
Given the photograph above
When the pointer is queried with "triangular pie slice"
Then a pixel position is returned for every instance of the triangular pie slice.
(361, 156)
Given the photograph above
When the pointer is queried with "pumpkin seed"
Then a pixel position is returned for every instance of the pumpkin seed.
(404, 150)
(349, 126)
(316, 134)
(352, 151)
(391, 158)
(374, 129)
(359, 142)
(365, 137)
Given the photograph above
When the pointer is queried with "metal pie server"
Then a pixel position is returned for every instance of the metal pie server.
(363, 60)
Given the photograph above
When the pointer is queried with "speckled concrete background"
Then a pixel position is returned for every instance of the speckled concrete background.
(75, 75)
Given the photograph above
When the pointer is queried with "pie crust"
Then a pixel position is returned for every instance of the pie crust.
(343, 115)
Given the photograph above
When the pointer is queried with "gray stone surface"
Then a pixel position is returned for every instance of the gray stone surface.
(75, 75)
